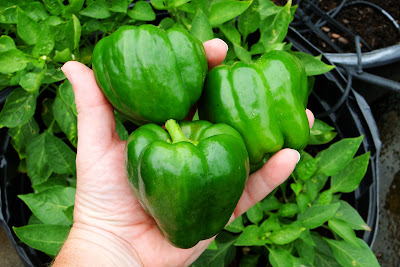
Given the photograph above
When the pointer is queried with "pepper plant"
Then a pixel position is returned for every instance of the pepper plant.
(286, 228)
(303, 222)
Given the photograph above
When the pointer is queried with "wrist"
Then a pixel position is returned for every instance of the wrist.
(89, 246)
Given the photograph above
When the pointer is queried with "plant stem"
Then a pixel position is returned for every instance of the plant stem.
(176, 133)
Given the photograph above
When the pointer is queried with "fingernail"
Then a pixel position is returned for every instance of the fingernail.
(298, 156)
(65, 72)
(222, 41)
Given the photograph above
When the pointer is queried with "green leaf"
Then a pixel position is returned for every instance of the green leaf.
(242, 53)
(306, 237)
(213, 245)
(43, 237)
(296, 188)
(231, 33)
(350, 215)
(166, 23)
(220, 257)
(32, 80)
(55, 7)
(255, 213)
(348, 179)
(314, 185)
(313, 65)
(12, 60)
(65, 113)
(257, 48)
(323, 254)
(38, 167)
(8, 15)
(53, 75)
(251, 236)
(280, 258)
(122, 132)
(325, 197)
(93, 25)
(54, 180)
(49, 204)
(73, 28)
(317, 215)
(321, 133)
(286, 234)
(35, 10)
(348, 255)
(22, 135)
(119, 6)
(249, 21)
(322, 260)
(338, 155)
(27, 29)
(142, 11)
(302, 201)
(270, 224)
(276, 32)
(45, 43)
(63, 56)
(270, 203)
(69, 213)
(98, 9)
(59, 156)
(223, 11)
(306, 167)
(201, 27)
(6, 43)
(305, 251)
(236, 226)
(344, 230)
(161, 4)
(267, 8)
(34, 220)
(288, 210)
(53, 21)
(18, 109)
(74, 7)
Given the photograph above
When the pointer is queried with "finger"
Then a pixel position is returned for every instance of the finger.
(216, 50)
(261, 183)
(310, 117)
(96, 123)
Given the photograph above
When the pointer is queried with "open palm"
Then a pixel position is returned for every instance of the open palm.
(109, 223)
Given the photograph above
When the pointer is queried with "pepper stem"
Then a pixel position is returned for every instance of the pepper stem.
(176, 133)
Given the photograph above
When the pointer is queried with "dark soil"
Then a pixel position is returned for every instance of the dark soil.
(367, 22)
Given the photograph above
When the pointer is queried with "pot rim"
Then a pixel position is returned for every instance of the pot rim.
(375, 58)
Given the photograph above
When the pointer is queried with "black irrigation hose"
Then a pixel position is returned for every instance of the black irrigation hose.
(342, 99)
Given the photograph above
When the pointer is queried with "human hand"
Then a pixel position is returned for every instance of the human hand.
(110, 227)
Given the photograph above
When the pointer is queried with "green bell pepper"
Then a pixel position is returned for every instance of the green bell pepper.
(189, 179)
(264, 101)
(148, 74)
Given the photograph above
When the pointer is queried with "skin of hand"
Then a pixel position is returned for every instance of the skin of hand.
(110, 227)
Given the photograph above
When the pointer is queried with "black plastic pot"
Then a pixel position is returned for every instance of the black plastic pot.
(334, 101)
(310, 19)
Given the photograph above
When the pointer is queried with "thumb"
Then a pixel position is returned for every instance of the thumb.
(96, 123)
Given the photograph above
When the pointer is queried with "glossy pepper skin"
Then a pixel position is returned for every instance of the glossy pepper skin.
(148, 74)
(188, 179)
(264, 101)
